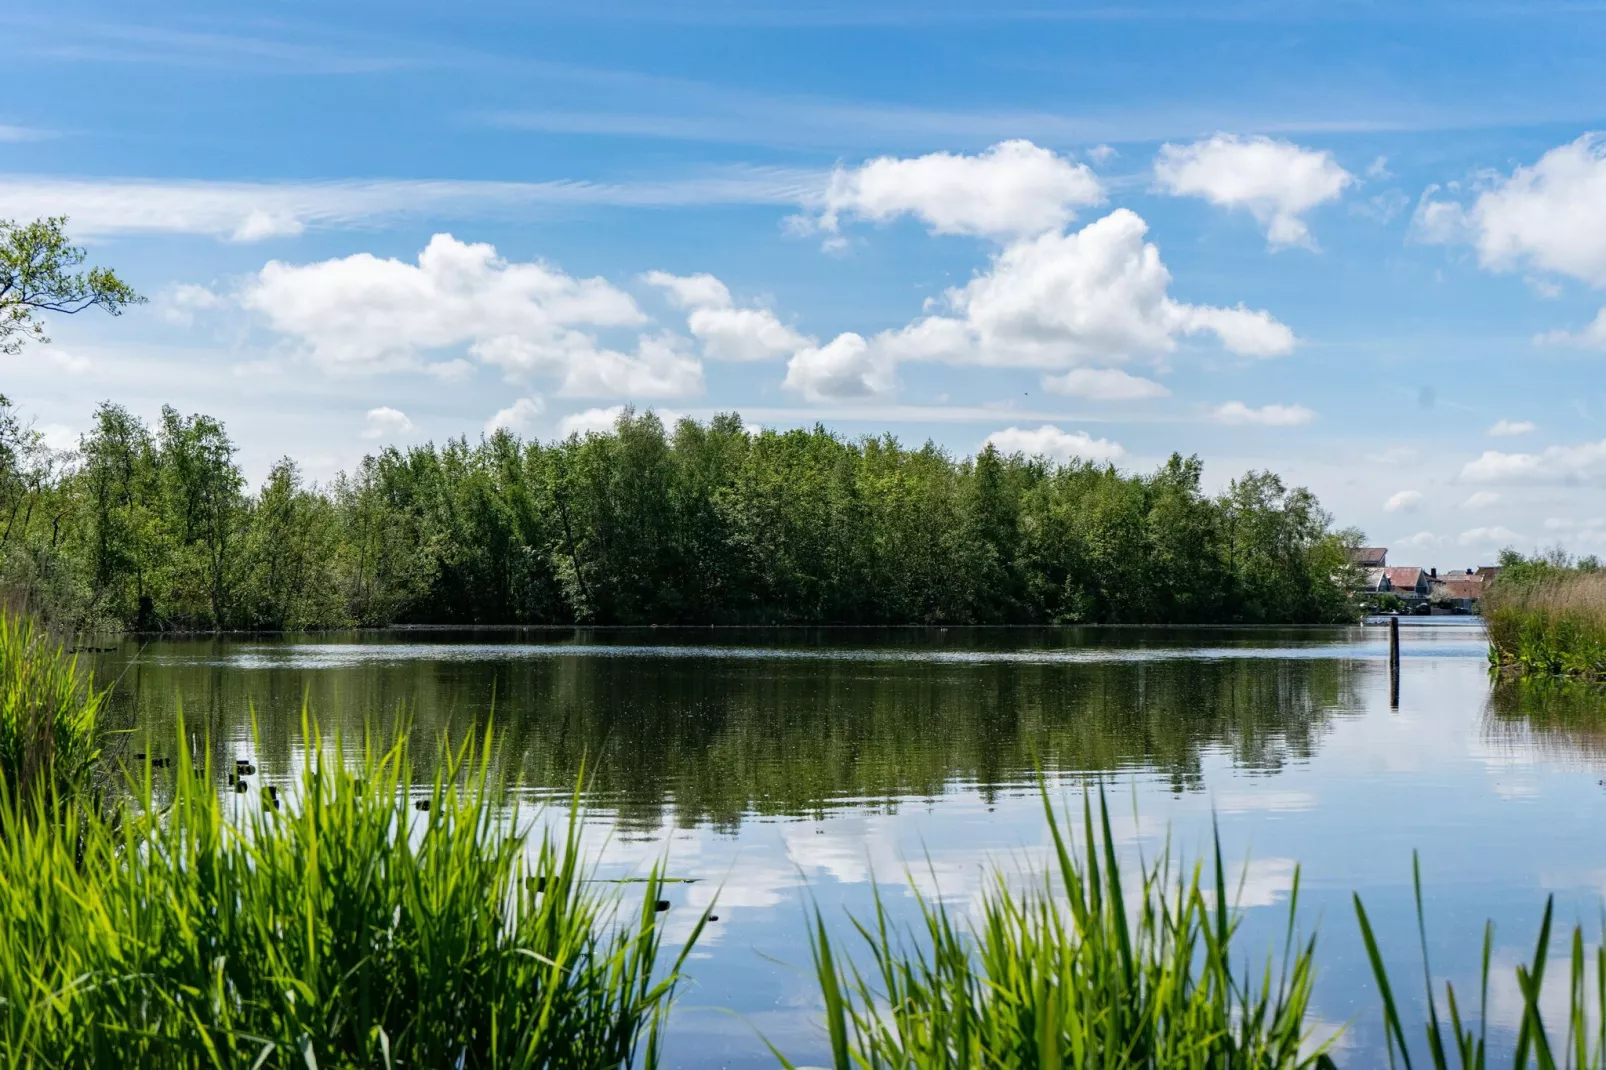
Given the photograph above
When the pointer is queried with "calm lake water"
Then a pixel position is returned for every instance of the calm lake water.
(783, 767)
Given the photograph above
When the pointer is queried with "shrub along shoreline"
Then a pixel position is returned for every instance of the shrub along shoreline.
(700, 523)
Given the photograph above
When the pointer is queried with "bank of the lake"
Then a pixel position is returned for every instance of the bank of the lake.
(1548, 620)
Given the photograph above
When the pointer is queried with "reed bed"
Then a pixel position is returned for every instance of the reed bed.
(1092, 973)
(50, 714)
(1552, 623)
(351, 927)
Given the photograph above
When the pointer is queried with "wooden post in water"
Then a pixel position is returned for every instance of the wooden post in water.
(1394, 662)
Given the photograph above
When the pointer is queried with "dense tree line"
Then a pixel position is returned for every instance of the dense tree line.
(155, 529)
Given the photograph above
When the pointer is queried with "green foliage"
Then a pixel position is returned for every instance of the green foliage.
(49, 717)
(699, 524)
(1136, 977)
(345, 929)
(1546, 616)
(37, 275)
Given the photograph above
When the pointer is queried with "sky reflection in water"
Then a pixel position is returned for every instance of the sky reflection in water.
(779, 767)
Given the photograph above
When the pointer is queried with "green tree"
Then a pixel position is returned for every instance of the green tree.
(38, 274)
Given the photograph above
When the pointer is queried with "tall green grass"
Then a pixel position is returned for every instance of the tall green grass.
(1550, 622)
(1111, 975)
(344, 928)
(49, 715)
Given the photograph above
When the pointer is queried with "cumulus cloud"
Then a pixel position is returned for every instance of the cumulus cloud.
(1583, 463)
(364, 313)
(1549, 216)
(386, 422)
(1097, 295)
(845, 368)
(1104, 384)
(726, 331)
(1236, 412)
(518, 417)
(1062, 299)
(1276, 181)
(1403, 501)
(1049, 441)
(1013, 189)
(1489, 536)
(1510, 428)
(1481, 499)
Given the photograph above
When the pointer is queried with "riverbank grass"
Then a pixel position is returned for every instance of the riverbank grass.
(50, 715)
(1552, 623)
(349, 925)
(1085, 970)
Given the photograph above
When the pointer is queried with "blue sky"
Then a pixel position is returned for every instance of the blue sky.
(1361, 244)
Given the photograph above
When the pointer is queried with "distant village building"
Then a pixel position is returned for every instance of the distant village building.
(1456, 591)
(1369, 556)
(1407, 581)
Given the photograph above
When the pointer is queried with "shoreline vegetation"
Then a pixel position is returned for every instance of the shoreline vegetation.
(1546, 618)
(154, 530)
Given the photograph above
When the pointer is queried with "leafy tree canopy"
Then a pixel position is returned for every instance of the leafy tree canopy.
(38, 273)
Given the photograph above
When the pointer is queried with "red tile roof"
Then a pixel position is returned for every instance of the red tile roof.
(1405, 577)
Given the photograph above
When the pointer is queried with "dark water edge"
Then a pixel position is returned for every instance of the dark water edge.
(783, 766)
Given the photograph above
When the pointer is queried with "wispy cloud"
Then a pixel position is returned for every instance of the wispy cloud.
(9, 133)
(252, 211)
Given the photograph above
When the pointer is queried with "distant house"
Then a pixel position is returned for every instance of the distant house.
(1369, 556)
(1374, 580)
(1460, 594)
(1407, 581)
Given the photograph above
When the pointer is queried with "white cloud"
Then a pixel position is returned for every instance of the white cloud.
(1277, 181)
(725, 331)
(363, 313)
(1489, 536)
(1104, 384)
(518, 417)
(584, 423)
(1591, 336)
(1236, 412)
(1100, 294)
(1393, 456)
(1481, 499)
(1422, 540)
(1406, 501)
(1050, 441)
(1013, 189)
(58, 437)
(1550, 216)
(386, 422)
(1509, 428)
(1102, 154)
(179, 303)
(67, 362)
(1585, 462)
(251, 211)
(846, 367)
